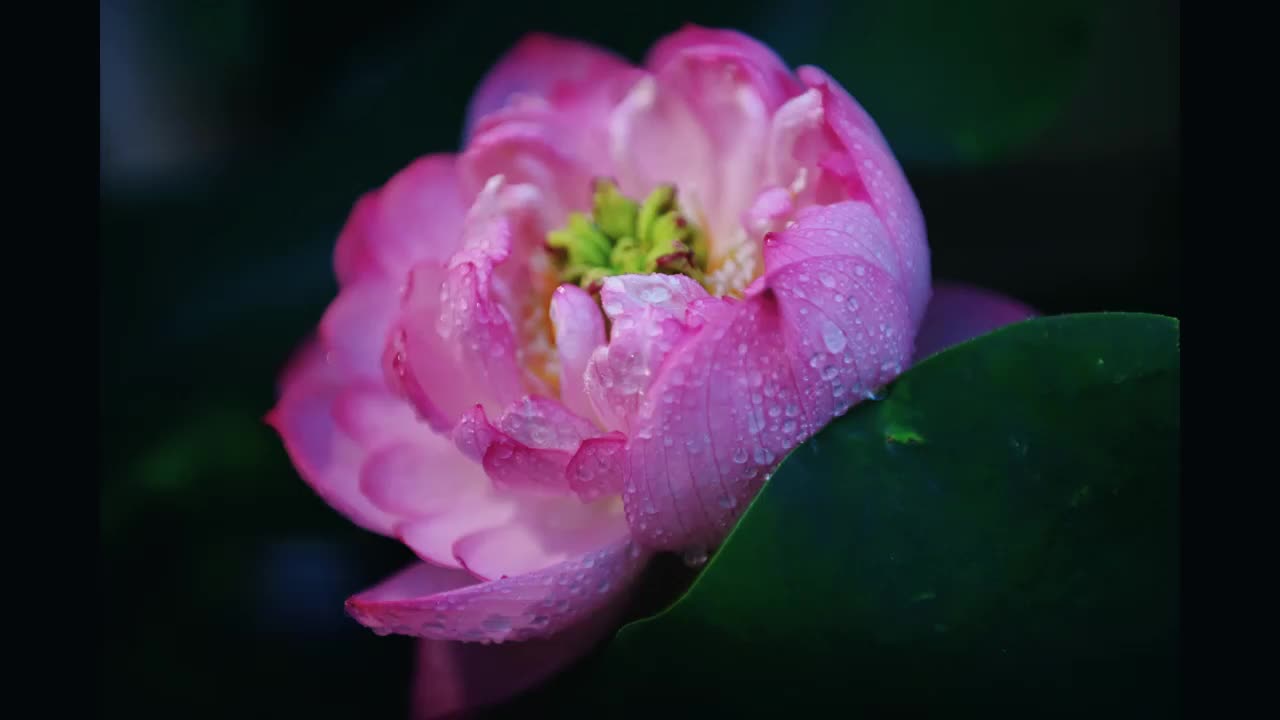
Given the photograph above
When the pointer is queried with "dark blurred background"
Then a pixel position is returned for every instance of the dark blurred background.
(1041, 139)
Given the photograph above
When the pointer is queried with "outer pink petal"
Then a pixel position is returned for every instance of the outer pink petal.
(755, 378)
(352, 258)
(356, 325)
(453, 677)
(371, 416)
(545, 67)
(579, 330)
(849, 228)
(326, 457)
(523, 607)
(872, 172)
(852, 111)
(416, 215)
(959, 312)
(366, 453)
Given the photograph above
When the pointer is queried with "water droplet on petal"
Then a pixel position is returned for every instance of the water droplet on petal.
(833, 337)
(496, 623)
(655, 294)
(696, 556)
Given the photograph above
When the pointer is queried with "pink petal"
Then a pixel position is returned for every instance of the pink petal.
(533, 151)
(418, 363)
(648, 313)
(432, 538)
(768, 73)
(852, 111)
(796, 147)
(454, 677)
(770, 210)
(474, 433)
(416, 215)
(597, 468)
(544, 531)
(542, 66)
(756, 378)
(478, 331)
(847, 331)
(474, 325)
(515, 465)
(418, 580)
(420, 477)
(326, 457)
(624, 296)
(579, 330)
(530, 446)
(523, 607)
(849, 229)
(352, 258)
(541, 422)
(356, 325)
(871, 172)
(959, 312)
(371, 416)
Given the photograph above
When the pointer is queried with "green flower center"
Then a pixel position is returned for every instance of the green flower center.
(622, 237)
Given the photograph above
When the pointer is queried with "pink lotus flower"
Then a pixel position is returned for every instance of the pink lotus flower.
(593, 334)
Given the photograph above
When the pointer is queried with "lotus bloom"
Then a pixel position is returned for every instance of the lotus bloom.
(592, 334)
